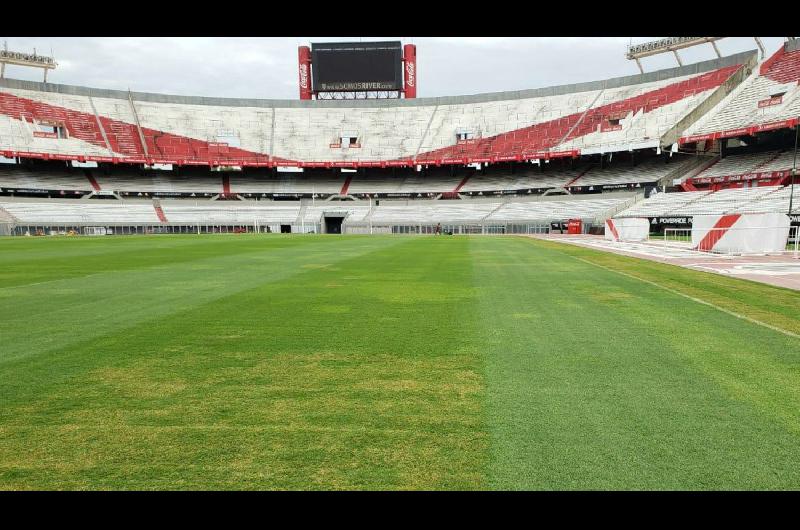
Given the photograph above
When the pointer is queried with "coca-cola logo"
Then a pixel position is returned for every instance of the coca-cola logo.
(303, 76)
(410, 74)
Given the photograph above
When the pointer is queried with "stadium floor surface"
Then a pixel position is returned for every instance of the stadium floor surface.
(780, 269)
(365, 362)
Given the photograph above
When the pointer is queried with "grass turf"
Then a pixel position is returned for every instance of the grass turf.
(319, 362)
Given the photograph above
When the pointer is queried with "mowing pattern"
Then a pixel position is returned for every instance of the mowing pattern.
(314, 362)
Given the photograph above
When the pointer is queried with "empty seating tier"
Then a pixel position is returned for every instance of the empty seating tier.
(106, 125)
(740, 200)
(769, 98)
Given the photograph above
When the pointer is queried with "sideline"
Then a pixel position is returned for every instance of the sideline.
(694, 299)
(690, 297)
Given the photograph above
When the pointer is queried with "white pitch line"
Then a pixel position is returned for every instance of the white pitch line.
(698, 300)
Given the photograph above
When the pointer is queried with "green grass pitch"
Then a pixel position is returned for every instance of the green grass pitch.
(357, 362)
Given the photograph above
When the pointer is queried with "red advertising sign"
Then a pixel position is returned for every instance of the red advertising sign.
(770, 102)
(740, 178)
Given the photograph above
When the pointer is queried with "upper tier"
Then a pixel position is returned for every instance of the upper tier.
(768, 99)
(70, 122)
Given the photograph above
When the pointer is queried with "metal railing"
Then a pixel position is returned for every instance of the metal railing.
(260, 227)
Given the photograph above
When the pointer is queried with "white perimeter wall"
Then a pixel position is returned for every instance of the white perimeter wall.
(749, 233)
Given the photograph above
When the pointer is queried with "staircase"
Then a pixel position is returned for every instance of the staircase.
(608, 214)
(690, 172)
(494, 211)
(580, 120)
(346, 185)
(688, 169)
(159, 211)
(91, 179)
(767, 162)
(6, 217)
(582, 173)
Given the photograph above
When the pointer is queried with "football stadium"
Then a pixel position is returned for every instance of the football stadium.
(591, 286)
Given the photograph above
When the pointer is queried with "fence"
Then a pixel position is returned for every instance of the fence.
(103, 229)
(259, 227)
(448, 228)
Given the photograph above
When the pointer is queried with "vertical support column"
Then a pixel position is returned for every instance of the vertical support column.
(677, 57)
(410, 70)
(304, 71)
(138, 125)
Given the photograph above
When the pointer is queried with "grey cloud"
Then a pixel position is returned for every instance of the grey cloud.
(267, 67)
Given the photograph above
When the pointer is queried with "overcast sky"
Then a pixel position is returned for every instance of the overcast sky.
(267, 67)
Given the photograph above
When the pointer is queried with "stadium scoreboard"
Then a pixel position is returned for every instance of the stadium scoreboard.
(357, 67)
(349, 66)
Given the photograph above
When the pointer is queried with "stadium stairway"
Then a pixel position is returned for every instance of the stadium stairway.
(582, 173)
(770, 160)
(499, 206)
(691, 171)
(461, 184)
(611, 212)
(346, 185)
(159, 211)
(6, 217)
(91, 179)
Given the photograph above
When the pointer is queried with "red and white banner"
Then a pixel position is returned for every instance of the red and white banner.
(627, 229)
(304, 71)
(410, 70)
(769, 102)
(739, 178)
(731, 133)
(740, 233)
(743, 131)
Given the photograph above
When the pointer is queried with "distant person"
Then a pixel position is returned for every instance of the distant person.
(438, 231)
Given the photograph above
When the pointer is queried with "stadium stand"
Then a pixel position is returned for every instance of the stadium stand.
(533, 156)
(177, 212)
(105, 125)
(767, 99)
(736, 200)
(765, 168)
(79, 212)
(741, 164)
(57, 179)
(189, 182)
(326, 182)
(587, 209)
(221, 214)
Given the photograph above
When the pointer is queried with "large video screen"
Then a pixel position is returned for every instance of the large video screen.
(356, 66)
